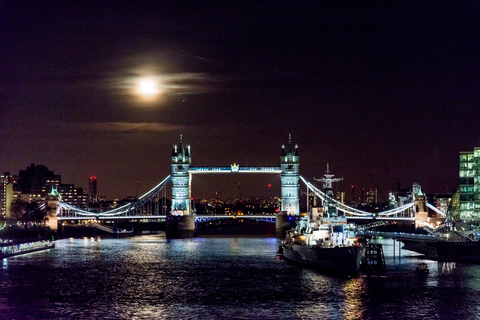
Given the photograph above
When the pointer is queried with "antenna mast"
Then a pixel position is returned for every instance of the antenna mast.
(328, 179)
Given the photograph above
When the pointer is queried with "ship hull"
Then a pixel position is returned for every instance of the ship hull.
(345, 260)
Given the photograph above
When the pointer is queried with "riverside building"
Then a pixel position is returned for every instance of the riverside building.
(469, 188)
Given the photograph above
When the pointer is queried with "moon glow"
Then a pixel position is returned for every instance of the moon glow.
(147, 88)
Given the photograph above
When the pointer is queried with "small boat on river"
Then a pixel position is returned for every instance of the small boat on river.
(422, 268)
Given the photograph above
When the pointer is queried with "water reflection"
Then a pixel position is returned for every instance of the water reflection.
(354, 289)
(234, 246)
(446, 267)
(221, 278)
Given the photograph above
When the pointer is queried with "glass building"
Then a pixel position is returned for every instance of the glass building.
(470, 185)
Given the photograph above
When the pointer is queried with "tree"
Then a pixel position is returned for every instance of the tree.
(453, 211)
(25, 211)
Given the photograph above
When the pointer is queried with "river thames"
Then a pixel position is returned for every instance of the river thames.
(150, 277)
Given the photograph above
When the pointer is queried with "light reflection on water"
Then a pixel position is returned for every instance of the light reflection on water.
(150, 277)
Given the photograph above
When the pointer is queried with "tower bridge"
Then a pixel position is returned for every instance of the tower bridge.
(181, 217)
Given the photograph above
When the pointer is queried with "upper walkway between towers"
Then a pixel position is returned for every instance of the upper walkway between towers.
(233, 169)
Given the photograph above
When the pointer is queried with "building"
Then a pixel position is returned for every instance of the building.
(371, 196)
(93, 191)
(6, 195)
(73, 196)
(32, 185)
(403, 196)
(469, 184)
(37, 179)
(340, 196)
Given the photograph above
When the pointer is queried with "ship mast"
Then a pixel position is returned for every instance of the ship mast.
(330, 205)
(328, 179)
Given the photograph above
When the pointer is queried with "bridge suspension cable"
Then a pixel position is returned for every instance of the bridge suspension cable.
(353, 211)
(436, 210)
(123, 210)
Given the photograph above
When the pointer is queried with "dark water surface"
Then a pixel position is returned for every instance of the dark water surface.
(150, 277)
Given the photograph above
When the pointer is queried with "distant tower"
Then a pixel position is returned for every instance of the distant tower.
(180, 179)
(51, 208)
(415, 189)
(289, 162)
(93, 192)
(421, 212)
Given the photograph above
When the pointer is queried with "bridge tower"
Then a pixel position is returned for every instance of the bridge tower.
(51, 207)
(289, 162)
(421, 211)
(181, 161)
(180, 223)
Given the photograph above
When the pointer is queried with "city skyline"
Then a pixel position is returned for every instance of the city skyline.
(383, 93)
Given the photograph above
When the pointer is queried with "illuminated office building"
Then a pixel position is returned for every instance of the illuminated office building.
(469, 187)
(93, 192)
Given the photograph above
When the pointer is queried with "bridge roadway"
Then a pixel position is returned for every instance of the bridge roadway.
(202, 218)
(198, 218)
(272, 218)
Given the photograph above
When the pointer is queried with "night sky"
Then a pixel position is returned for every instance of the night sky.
(384, 91)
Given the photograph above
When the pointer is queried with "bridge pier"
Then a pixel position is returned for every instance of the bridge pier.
(180, 226)
(285, 222)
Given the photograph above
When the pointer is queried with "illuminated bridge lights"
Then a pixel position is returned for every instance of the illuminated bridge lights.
(355, 212)
(133, 209)
(200, 219)
(234, 169)
(436, 210)
(148, 206)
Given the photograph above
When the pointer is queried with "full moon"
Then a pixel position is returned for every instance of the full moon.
(147, 88)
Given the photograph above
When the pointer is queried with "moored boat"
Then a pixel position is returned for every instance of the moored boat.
(332, 248)
(11, 248)
(323, 239)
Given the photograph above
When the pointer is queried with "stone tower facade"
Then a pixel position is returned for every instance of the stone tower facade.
(181, 161)
(289, 162)
(421, 212)
(51, 208)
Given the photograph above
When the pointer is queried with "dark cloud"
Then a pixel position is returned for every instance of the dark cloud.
(126, 127)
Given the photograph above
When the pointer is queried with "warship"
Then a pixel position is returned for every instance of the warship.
(323, 239)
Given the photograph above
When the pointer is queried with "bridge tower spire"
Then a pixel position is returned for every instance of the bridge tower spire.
(289, 162)
(181, 161)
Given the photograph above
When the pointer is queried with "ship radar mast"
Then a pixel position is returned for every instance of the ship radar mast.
(330, 205)
(328, 179)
